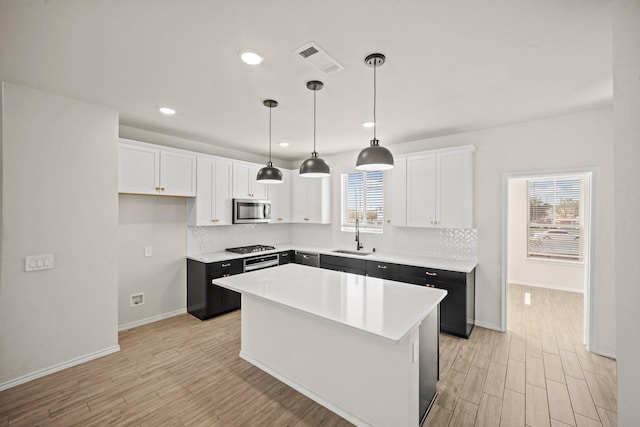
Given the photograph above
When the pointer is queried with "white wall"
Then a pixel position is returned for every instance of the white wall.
(566, 276)
(59, 191)
(626, 74)
(577, 140)
(159, 222)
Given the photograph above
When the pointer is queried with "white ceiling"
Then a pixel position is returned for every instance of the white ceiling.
(452, 65)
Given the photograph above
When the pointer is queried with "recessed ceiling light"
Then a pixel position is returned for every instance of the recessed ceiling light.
(168, 111)
(284, 144)
(251, 56)
(368, 124)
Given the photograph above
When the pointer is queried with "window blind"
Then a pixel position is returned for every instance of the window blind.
(362, 199)
(555, 223)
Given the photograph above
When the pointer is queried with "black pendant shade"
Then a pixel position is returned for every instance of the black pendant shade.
(269, 174)
(374, 157)
(314, 166)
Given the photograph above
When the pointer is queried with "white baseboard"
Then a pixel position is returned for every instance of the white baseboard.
(542, 285)
(151, 319)
(488, 326)
(59, 367)
(608, 354)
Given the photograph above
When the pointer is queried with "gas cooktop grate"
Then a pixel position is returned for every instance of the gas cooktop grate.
(250, 249)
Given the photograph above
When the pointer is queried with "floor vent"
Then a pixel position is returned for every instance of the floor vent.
(318, 58)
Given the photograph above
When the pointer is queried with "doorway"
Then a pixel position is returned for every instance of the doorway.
(546, 246)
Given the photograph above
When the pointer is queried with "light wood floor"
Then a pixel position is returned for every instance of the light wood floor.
(184, 372)
(536, 374)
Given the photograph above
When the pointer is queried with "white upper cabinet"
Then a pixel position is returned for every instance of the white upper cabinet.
(280, 196)
(213, 204)
(310, 199)
(439, 189)
(397, 211)
(150, 169)
(245, 185)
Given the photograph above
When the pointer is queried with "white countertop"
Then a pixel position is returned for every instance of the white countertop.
(381, 307)
(415, 260)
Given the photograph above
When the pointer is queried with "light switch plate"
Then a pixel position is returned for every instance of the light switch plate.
(38, 262)
(148, 251)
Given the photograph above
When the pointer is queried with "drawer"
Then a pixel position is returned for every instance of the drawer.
(343, 261)
(286, 257)
(383, 270)
(233, 266)
(431, 274)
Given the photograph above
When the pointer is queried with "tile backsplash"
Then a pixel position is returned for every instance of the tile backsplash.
(451, 243)
(218, 238)
(461, 244)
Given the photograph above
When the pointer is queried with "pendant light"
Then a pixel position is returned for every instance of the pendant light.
(269, 174)
(314, 166)
(374, 157)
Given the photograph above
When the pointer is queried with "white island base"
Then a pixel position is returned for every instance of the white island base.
(366, 377)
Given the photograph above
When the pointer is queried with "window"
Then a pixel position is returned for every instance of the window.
(556, 212)
(362, 199)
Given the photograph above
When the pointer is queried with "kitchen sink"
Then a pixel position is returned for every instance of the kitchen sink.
(345, 251)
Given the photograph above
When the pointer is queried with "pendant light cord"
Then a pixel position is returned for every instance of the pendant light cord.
(314, 120)
(375, 123)
(270, 108)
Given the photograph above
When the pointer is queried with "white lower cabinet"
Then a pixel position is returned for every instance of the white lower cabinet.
(148, 169)
(280, 196)
(213, 202)
(438, 189)
(310, 200)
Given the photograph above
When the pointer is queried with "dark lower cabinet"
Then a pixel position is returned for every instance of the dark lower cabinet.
(286, 257)
(457, 309)
(348, 265)
(383, 270)
(204, 299)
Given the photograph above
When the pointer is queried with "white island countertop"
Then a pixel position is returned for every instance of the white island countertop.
(384, 308)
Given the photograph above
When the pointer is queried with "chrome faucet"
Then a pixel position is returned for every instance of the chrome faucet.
(358, 245)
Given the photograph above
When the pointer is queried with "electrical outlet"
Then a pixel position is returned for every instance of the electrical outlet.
(148, 251)
(136, 300)
(38, 262)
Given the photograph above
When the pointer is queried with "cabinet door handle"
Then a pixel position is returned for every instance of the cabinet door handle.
(284, 255)
(428, 273)
(226, 275)
(306, 219)
(383, 267)
(226, 265)
(157, 188)
(161, 188)
(430, 285)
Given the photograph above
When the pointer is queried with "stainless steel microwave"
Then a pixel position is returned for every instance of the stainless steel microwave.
(249, 211)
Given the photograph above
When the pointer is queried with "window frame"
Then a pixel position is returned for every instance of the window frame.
(364, 227)
(535, 229)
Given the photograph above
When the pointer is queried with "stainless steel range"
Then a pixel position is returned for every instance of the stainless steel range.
(258, 262)
(250, 249)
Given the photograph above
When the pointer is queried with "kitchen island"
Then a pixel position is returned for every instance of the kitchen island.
(366, 348)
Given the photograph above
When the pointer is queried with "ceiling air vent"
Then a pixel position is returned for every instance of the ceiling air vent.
(318, 58)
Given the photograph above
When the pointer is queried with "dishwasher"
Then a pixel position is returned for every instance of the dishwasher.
(308, 258)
